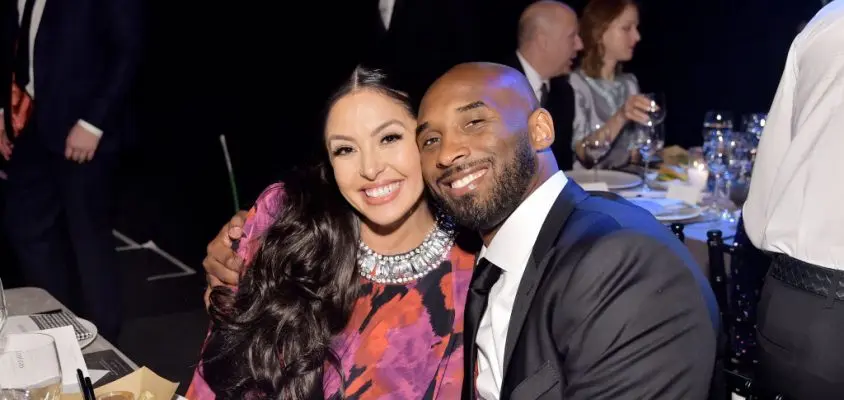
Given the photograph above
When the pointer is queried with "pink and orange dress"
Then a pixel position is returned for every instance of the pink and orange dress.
(404, 341)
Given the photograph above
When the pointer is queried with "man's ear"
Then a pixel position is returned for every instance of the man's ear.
(541, 129)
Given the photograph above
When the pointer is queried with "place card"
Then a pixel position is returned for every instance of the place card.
(70, 354)
(685, 193)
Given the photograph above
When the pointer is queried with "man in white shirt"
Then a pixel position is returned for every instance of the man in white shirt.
(575, 296)
(794, 212)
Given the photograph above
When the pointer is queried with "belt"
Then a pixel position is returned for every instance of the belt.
(812, 278)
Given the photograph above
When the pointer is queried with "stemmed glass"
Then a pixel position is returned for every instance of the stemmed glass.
(648, 141)
(596, 148)
(754, 123)
(718, 120)
(29, 368)
(656, 113)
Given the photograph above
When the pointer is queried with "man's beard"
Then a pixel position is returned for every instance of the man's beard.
(505, 196)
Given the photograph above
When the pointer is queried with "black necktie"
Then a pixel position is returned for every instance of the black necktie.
(485, 275)
(22, 52)
(543, 95)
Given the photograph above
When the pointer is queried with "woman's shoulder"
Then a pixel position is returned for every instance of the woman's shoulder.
(578, 77)
(628, 78)
(260, 217)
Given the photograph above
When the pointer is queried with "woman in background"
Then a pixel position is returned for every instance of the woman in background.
(606, 99)
(354, 286)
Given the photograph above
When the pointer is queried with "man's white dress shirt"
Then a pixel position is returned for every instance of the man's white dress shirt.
(796, 194)
(533, 77)
(37, 13)
(509, 250)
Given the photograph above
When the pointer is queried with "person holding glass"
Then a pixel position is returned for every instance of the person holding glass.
(607, 100)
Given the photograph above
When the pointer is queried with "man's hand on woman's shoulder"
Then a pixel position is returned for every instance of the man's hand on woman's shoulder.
(222, 264)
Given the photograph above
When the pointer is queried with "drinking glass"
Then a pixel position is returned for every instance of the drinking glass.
(718, 120)
(754, 123)
(596, 148)
(29, 368)
(657, 110)
(648, 141)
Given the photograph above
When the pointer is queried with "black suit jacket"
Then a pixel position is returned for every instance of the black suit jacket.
(611, 306)
(561, 107)
(426, 38)
(86, 58)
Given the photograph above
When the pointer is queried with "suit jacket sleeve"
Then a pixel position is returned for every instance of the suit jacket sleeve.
(643, 328)
(124, 22)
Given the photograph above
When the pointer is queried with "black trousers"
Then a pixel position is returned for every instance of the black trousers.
(58, 218)
(801, 340)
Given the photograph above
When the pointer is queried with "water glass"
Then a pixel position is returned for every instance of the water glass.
(718, 120)
(595, 148)
(649, 141)
(29, 368)
(754, 123)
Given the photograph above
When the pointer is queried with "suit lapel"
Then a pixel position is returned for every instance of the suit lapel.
(551, 230)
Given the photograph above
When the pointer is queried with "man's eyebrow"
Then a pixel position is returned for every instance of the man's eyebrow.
(421, 128)
(471, 106)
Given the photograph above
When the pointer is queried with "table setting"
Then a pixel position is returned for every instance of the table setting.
(53, 354)
(702, 188)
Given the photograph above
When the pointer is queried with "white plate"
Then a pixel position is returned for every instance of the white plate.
(88, 325)
(668, 210)
(23, 324)
(615, 180)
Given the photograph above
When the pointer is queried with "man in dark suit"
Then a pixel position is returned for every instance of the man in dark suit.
(548, 43)
(71, 67)
(575, 296)
(396, 32)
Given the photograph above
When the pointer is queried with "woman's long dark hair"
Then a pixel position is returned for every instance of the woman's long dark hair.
(272, 338)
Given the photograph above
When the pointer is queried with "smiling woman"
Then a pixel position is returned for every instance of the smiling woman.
(358, 286)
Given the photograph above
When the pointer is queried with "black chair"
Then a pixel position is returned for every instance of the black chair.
(737, 295)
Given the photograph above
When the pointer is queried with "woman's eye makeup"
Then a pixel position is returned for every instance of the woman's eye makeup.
(391, 137)
(341, 150)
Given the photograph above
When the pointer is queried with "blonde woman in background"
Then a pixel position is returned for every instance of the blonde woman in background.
(607, 100)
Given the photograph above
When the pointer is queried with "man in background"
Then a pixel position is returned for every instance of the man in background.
(69, 69)
(548, 43)
(793, 211)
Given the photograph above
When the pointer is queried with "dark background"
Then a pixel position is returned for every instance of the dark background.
(260, 72)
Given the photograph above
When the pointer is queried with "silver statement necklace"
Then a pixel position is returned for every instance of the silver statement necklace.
(403, 268)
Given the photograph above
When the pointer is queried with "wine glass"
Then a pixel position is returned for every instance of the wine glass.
(718, 120)
(754, 123)
(29, 368)
(656, 113)
(595, 148)
(648, 141)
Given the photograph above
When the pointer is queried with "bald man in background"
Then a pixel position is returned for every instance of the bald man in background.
(548, 42)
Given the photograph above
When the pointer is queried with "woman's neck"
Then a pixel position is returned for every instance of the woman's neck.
(406, 234)
(608, 69)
